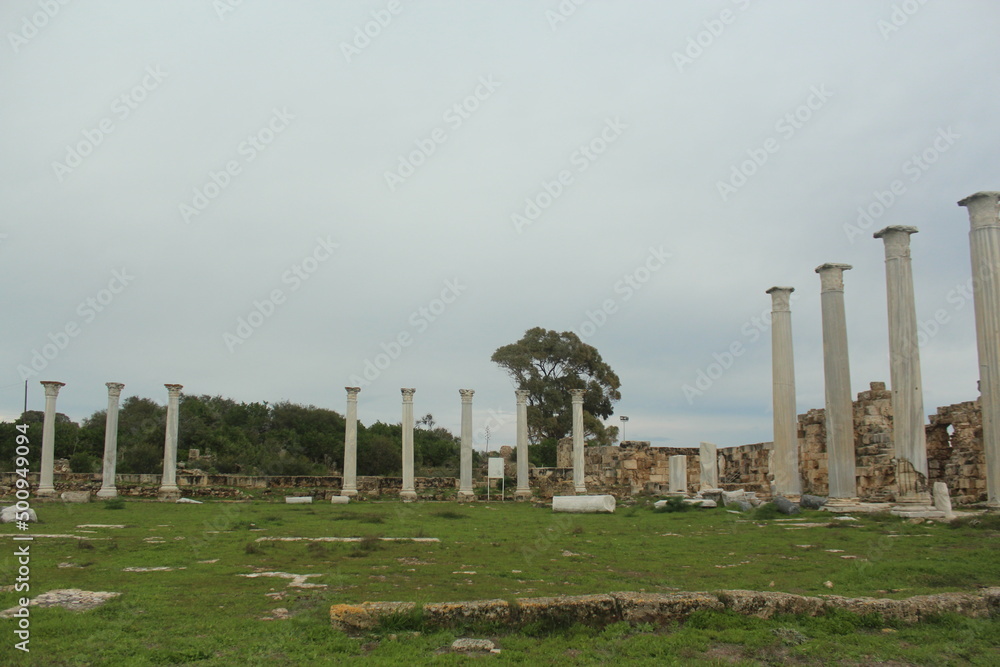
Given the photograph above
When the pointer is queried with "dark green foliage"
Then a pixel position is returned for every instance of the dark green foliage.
(673, 504)
(543, 455)
(549, 364)
(765, 512)
(83, 462)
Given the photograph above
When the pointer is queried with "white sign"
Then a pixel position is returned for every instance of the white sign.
(495, 467)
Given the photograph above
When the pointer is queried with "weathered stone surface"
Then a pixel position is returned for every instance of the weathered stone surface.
(942, 499)
(733, 497)
(298, 500)
(454, 613)
(663, 608)
(339, 500)
(593, 610)
(765, 604)
(811, 502)
(468, 645)
(8, 515)
(583, 504)
(786, 506)
(75, 496)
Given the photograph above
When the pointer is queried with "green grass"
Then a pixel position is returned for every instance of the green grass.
(206, 614)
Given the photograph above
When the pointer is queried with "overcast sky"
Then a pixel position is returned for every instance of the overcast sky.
(258, 199)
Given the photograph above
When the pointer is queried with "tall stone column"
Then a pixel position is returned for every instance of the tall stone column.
(350, 486)
(837, 379)
(904, 371)
(465, 492)
(787, 480)
(46, 486)
(408, 492)
(709, 477)
(108, 488)
(984, 241)
(523, 483)
(579, 481)
(168, 487)
(678, 474)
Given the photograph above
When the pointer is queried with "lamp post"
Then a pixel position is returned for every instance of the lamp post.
(622, 434)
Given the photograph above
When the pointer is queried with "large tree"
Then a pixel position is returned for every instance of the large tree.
(549, 364)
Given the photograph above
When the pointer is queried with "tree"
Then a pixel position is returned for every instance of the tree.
(549, 364)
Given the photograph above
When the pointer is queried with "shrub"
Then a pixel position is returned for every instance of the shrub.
(673, 504)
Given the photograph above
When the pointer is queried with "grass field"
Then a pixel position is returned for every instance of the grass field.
(204, 613)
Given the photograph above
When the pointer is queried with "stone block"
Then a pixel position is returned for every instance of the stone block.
(584, 504)
(8, 515)
(663, 608)
(298, 500)
(75, 496)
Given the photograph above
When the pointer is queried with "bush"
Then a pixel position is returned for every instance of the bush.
(83, 462)
(673, 504)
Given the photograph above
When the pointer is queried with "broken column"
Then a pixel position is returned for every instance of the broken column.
(350, 486)
(904, 371)
(168, 486)
(408, 491)
(678, 474)
(46, 485)
(787, 480)
(837, 380)
(984, 242)
(709, 477)
(579, 483)
(465, 492)
(108, 488)
(523, 484)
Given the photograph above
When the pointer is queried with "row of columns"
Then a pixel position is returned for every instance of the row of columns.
(168, 485)
(465, 490)
(907, 391)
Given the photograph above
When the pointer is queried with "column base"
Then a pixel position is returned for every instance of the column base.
(168, 493)
(109, 492)
(350, 493)
(522, 494)
(407, 496)
(843, 505)
(46, 492)
(466, 496)
(580, 490)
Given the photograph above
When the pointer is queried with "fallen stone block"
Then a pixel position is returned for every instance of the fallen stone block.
(808, 502)
(468, 645)
(75, 496)
(583, 504)
(189, 501)
(298, 500)
(564, 610)
(9, 515)
(339, 500)
(663, 608)
(733, 497)
(786, 506)
(457, 613)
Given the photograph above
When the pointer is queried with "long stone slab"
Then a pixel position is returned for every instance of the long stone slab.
(662, 608)
(583, 504)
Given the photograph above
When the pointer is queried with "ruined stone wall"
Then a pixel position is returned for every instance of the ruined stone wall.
(746, 467)
(955, 451)
(632, 467)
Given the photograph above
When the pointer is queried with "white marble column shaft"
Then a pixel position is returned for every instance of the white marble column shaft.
(465, 492)
(678, 473)
(908, 434)
(984, 243)
(408, 492)
(709, 467)
(350, 485)
(108, 471)
(168, 486)
(787, 480)
(837, 380)
(46, 485)
(579, 472)
(523, 483)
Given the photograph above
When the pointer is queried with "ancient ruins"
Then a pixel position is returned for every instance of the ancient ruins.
(875, 449)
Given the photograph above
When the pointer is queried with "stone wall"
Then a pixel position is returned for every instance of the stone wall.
(630, 468)
(955, 451)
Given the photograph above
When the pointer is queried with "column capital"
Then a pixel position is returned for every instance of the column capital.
(831, 276)
(984, 209)
(352, 393)
(897, 240)
(52, 387)
(780, 297)
(466, 395)
(577, 395)
(407, 394)
(522, 395)
(114, 389)
(174, 389)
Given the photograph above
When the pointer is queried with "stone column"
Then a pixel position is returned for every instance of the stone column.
(837, 380)
(168, 487)
(904, 368)
(787, 480)
(579, 482)
(108, 489)
(408, 493)
(465, 492)
(678, 474)
(984, 240)
(350, 485)
(709, 478)
(46, 486)
(523, 483)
